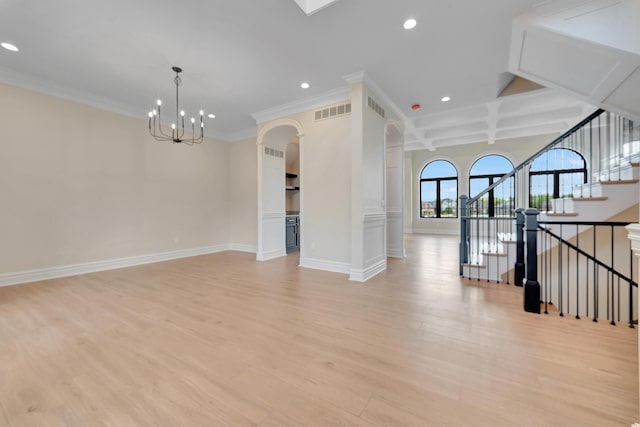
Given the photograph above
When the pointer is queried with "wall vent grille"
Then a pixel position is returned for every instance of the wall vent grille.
(331, 112)
(375, 107)
(273, 152)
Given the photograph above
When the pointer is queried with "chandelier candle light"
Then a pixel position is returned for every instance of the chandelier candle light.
(177, 134)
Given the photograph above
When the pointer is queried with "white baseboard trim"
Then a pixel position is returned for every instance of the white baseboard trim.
(408, 230)
(319, 264)
(437, 231)
(369, 272)
(395, 253)
(266, 256)
(243, 248)
(111, 264)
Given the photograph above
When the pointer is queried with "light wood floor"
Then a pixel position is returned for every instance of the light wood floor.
(222, 340)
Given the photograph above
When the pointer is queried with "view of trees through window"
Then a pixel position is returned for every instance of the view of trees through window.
(499, 201)
(439, 190)
(553, 175)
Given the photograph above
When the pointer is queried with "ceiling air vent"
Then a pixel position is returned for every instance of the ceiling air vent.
(334, 111)
(376, 107)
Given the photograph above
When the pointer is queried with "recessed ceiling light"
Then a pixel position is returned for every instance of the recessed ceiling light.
(305, 85)
(410, 24)
(446, 99)
(212, 116)
(9, 46)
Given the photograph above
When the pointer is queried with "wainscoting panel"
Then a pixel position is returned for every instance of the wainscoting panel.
(273, 236)
(374, 245)
(395, 235)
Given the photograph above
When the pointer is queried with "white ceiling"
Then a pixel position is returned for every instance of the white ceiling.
(245, 56)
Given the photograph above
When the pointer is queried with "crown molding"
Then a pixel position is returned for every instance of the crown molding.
(13, 78)
(362, 77)
(242, 135)
(353, 78)
(303, 105)
(22, 80)
(382, 96)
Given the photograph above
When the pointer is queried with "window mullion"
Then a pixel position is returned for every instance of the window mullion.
(438, 199)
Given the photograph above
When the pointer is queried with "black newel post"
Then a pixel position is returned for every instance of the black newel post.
(519, 267)
(464, 211)
(531, 285)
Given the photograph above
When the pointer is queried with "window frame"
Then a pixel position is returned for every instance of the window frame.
(438, 182)
(556, 174)
(492, 178)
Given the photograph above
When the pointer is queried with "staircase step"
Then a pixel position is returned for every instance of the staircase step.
(561, 213)
(620, 181)
(590, 199)
(466, 264)
(493, 254)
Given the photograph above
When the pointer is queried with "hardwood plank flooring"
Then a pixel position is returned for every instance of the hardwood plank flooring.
(223, 340)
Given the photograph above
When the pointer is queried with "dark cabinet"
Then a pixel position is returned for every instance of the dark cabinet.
(292, 230)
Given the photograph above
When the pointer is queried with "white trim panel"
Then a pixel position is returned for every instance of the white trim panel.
(374, 239)
(274, 236)
(395, 248)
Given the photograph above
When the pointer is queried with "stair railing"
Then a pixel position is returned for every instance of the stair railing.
(484, 237)
(586, 269)
(610, 146)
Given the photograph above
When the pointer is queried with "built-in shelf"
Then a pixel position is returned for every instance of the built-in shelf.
(292, 182)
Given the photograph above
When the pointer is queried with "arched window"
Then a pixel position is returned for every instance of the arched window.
(553, 175)
(439, 190)
(500, 201)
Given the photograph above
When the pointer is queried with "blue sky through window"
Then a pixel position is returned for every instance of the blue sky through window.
(557, 159)
(491, 165)
(439, 169)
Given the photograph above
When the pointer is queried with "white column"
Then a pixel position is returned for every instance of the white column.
(395, 194)
(368, 167)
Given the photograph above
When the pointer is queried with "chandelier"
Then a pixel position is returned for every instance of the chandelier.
(177, 127)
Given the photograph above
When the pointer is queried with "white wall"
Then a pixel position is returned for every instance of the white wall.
(462, 157)
(79, 184)
(243, 195)
(325, 190)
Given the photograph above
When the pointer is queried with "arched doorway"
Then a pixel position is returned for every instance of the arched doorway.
(271, 145)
